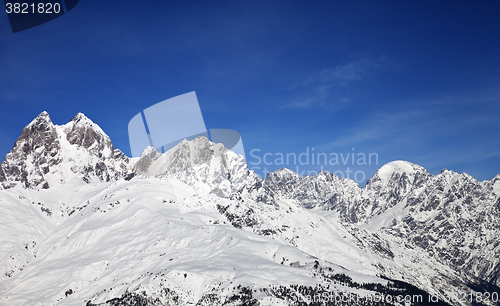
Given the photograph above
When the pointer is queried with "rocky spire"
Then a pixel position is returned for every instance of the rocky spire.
(34, 152)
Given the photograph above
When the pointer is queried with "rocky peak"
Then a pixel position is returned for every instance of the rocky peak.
(42, 118)
(40, 132)
(34, 152)
(496, 178)
(83, 132)
(184, 156)
(148, 156)
(202, 164)
(399, 172)
(282, 182)
(46, 154)
(495, 185)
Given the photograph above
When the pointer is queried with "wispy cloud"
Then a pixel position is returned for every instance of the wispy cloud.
(327, 87)
(380, 126)
(436, 133)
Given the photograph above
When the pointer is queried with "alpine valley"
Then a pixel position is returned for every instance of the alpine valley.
(83, 224)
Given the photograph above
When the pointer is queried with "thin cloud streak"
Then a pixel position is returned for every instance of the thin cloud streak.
(412, 134)
(381, 125)
(325, 88)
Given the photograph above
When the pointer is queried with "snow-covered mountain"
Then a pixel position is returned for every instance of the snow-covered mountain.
(451, 217)
(47, 155)
(82, 224)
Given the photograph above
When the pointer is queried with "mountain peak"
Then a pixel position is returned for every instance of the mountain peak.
(395, 170)
(42, 119)
(84, 132)
(79, 117)
(398, 166)
(45, 154)
(149, 150)
(282, 173)
(80, 120)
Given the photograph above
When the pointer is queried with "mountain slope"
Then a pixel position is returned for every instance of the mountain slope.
(81, 223)
(170, 242)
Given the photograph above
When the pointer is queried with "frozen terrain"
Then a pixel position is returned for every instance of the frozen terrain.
(82, 224)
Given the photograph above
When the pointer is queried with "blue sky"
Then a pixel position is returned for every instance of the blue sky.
(407, 80)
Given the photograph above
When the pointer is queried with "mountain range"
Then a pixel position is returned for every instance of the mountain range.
(83, 224)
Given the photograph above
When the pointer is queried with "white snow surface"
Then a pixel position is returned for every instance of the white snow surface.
(197, 221)
(100, 240)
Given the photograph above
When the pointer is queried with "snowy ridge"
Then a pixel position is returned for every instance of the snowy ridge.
(82, 224)
(47, 155)
(116, 242)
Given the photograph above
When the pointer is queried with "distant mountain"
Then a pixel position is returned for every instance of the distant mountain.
(83, 224)
(452, 217)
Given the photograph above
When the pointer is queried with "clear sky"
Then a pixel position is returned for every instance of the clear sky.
(406, 80)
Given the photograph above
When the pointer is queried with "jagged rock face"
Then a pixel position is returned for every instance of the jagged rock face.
(389, 186)
(33, 155)
(329, 191)
(149, 155)
(385, 189)
(452, 217)
(82, 132)
(323, 190)
(199, 163)
(44, 154)
(282, 182)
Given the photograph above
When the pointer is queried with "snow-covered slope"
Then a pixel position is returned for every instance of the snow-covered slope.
(449, 219)
(153, 239)
(82, 224)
